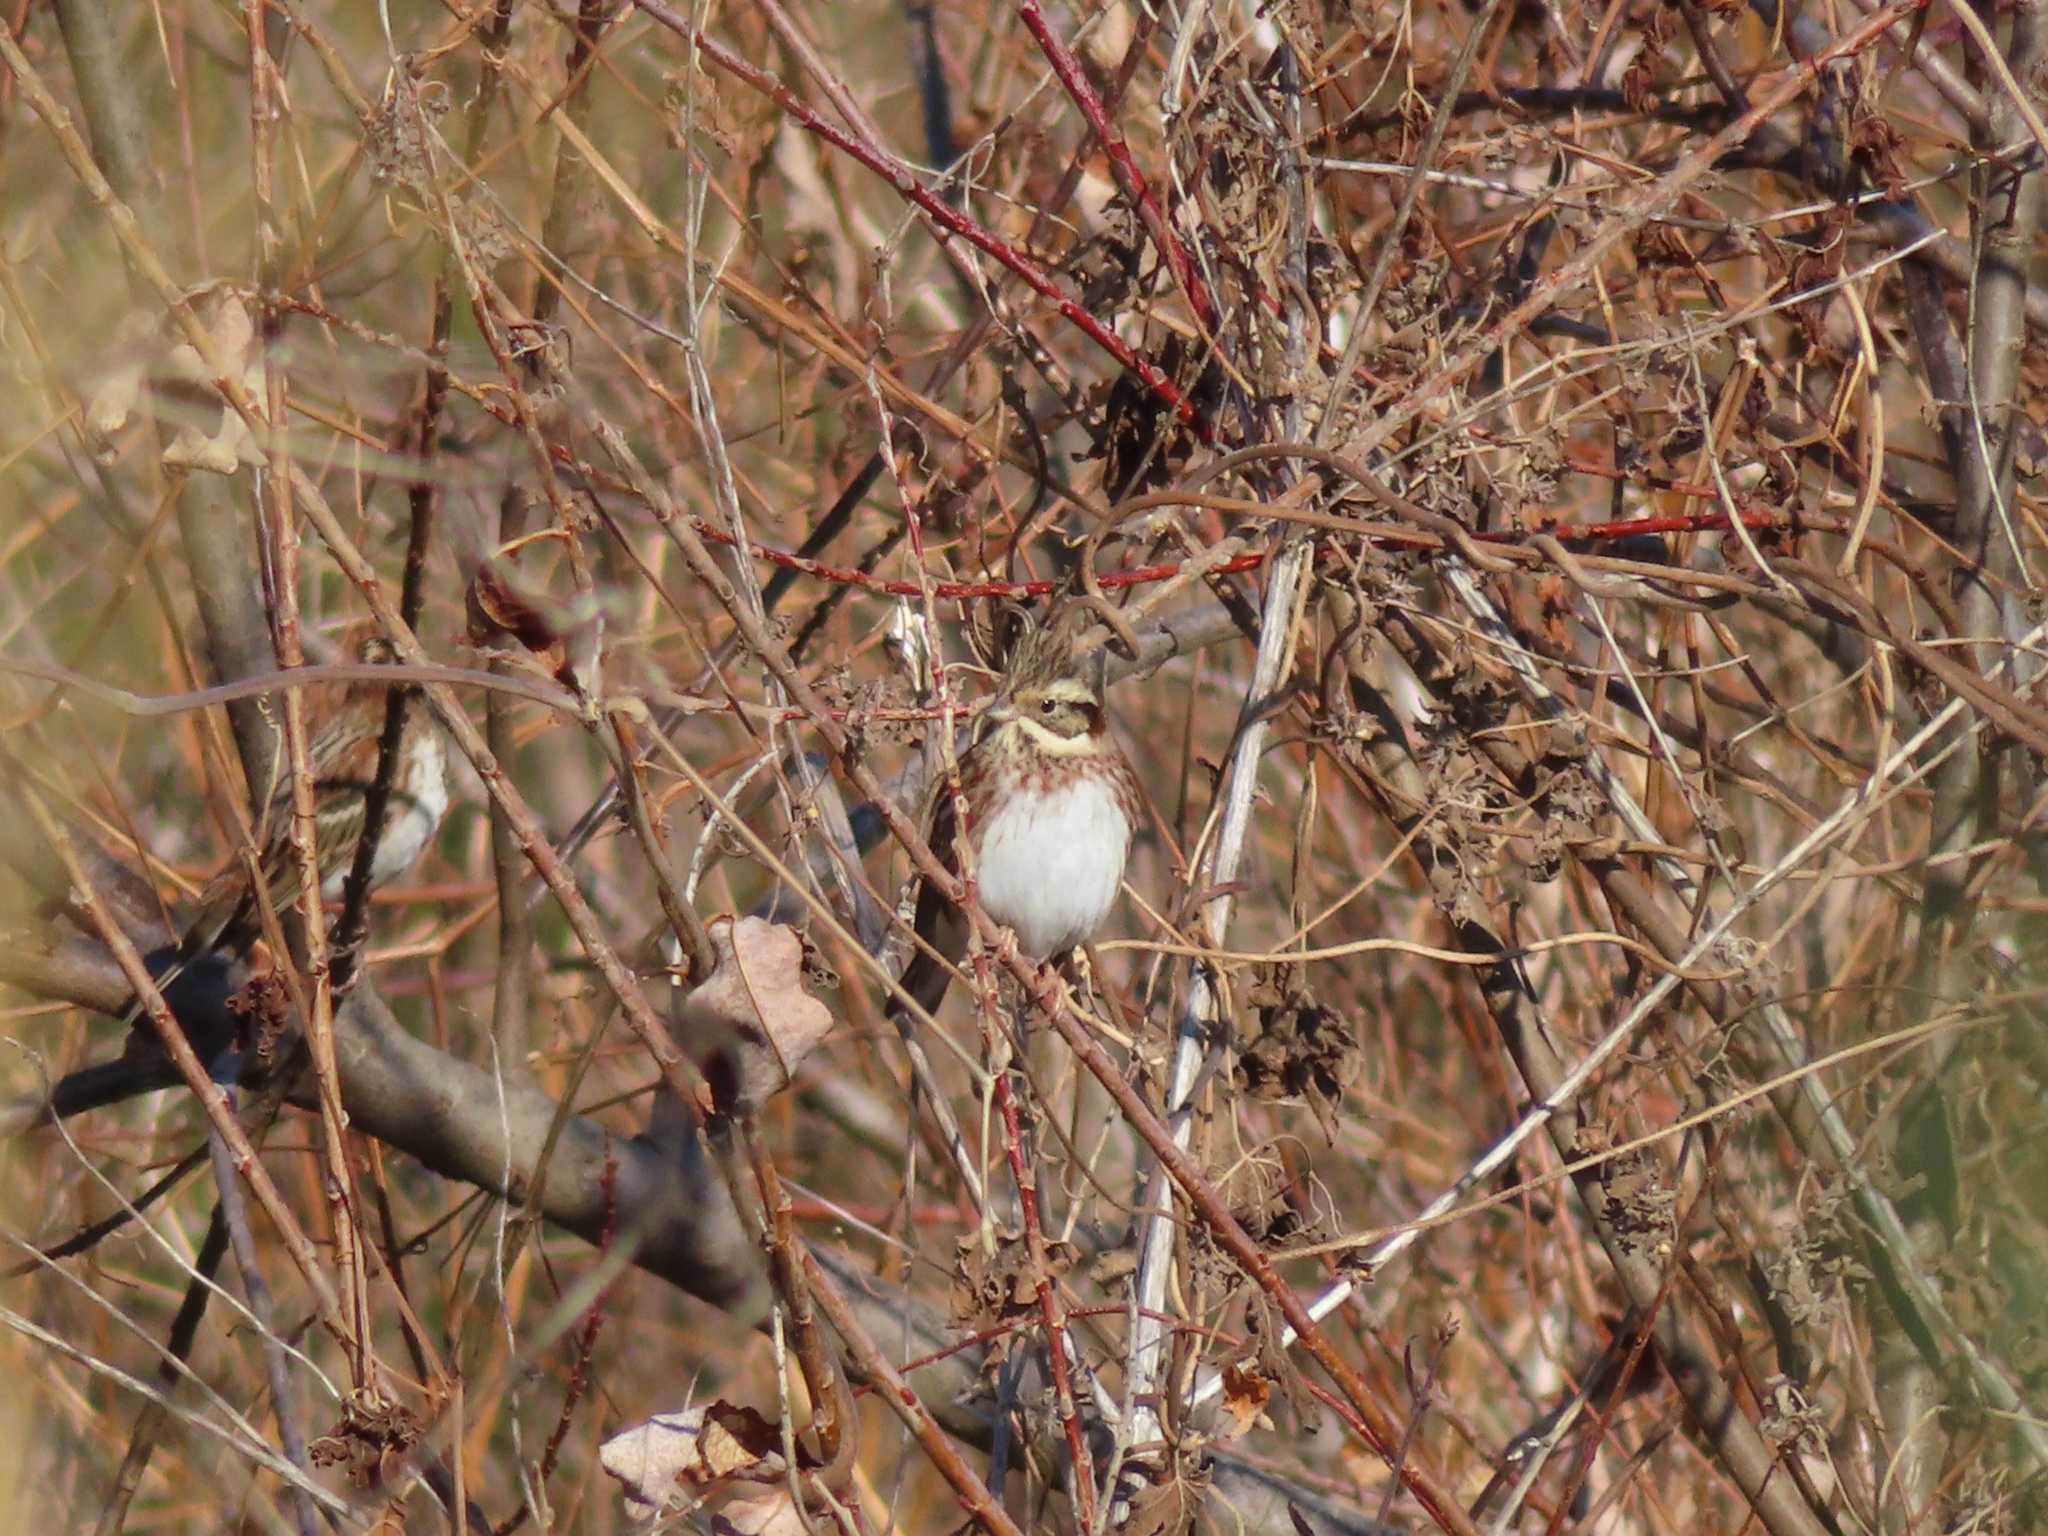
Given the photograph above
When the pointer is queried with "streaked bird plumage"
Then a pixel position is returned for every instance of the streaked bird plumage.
(345, 727)
(1051, 808)
(341, 754)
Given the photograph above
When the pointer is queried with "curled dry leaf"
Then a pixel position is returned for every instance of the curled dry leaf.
(508, 609)
(500, 605)
(1246, 1392)
(1292, 1048)
(111, 406)
(187, 387)
(233, 334)
(759, 1512)
(727, 1458)
(751, 1021)
(650, 1461)
(231, 444)
(993, 1284)
(1170, 1504)
(371, 1440)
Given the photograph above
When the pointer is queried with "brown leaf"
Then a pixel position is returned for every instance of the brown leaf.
(675, 1459)
(232, 333)
(111, 405)
(500, 605)
(733, 1438)
(760, 1511)
(565, 637)
(751, 1021)
(1292, 1048)
(991, 1286)
(371, 1440)
(650, 1460)
(1245, 1395)
(232, 444)
(1169, 1506)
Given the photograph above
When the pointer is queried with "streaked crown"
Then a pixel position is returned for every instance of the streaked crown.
(1065, 708)
(372, 646)
(1049, 700)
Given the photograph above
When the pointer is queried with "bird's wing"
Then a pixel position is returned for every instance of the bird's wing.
(940, 924)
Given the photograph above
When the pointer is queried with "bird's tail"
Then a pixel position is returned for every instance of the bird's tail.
(196, 987)
(943, 936)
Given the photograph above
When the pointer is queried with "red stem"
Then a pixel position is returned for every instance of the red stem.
(1121, 165)
(948, 218)
(1145, 575)
(1048, 1302)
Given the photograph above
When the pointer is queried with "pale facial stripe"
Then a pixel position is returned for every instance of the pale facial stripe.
(1052, 744)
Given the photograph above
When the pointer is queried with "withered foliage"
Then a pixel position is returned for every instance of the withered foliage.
(1554, 492)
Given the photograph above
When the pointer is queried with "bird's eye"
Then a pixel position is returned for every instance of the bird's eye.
(1049, 707)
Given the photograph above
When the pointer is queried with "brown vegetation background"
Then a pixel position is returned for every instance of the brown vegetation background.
(1557, 488)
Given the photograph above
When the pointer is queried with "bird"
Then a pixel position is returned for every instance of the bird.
(342, 744)
(1051, 806)
(344, 733)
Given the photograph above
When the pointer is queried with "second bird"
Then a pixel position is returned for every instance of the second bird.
(341, 752)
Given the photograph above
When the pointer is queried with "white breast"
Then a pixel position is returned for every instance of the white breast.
(414, 820)
(1048, 865)
(409, 820)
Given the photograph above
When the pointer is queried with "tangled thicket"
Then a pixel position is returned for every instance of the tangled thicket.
(1556, 488)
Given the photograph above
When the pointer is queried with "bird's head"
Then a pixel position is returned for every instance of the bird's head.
(1051, 699)
(1055, 713)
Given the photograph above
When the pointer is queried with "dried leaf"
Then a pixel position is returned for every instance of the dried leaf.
(650, 1461)
(1245, 1395)
(751, 1021)
(761, 1510)
(678, 1459)
(112, 404)
(1292, 1048)
(500, 605)
(564, 636)
(232, 333)
(991, 1286)
(232, 444)
(733, 1439)
(371, 1441)
(1169, 1506)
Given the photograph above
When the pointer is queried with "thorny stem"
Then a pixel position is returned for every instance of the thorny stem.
(1118, 153)
(1049, 1309)
(943, 214)
(902, 1401)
